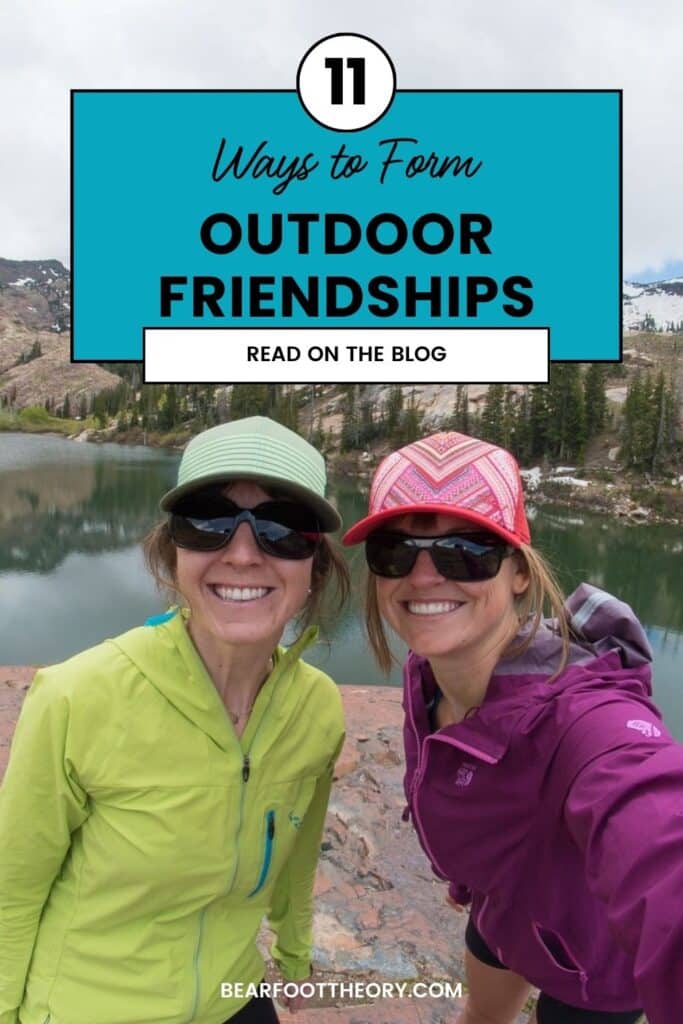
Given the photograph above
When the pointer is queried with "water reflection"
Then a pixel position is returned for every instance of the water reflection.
(100, 500)
(72, 516)
(641, 564)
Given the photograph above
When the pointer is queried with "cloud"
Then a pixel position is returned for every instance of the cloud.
(47, 48)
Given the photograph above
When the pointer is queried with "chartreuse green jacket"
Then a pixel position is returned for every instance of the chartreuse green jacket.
(142, 842)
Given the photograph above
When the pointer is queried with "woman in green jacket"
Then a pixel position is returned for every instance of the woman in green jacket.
(167, 788)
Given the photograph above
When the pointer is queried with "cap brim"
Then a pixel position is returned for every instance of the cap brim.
(360, 530)
(328, 517)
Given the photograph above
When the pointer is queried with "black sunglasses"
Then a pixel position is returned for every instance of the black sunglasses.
(467, 558)
(280, 528)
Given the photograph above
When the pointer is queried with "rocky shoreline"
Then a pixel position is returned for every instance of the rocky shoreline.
(655, 503)
(633, 499)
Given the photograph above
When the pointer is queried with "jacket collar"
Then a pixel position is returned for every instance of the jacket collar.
(518, 690)
(486, 733)
(167, 657)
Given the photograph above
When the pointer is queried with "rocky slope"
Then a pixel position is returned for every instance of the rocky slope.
(35, 319)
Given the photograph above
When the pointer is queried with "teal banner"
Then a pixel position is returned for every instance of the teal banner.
(452, 209)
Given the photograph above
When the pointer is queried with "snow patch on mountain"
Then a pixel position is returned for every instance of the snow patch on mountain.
(656, 306)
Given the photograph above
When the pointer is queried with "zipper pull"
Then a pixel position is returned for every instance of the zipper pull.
(271, 826)
(245, 768)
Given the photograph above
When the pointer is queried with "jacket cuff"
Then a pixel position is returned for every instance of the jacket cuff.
(292, 969)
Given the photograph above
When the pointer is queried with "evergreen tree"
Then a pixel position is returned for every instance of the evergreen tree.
(253, 400)
(508, 418)
(367, 421)
(648, 427)
(312, 397)
(394, 410)
(222, 406)
(493, 414)
(522, 428)
(411, 422)
(595, 399)
(567, 417)
(660, 417)
(99, 410)
(168, 408)
(539, 421)
(637, 433)
(460, 420)
(286, 411)
(349, 429)
(318, 437)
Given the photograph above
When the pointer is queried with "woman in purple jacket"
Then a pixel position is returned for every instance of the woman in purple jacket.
(540, 778)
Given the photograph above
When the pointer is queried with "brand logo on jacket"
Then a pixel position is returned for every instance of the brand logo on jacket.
(465, 774)
(647, 728)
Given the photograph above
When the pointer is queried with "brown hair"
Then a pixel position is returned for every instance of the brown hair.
(543, 593)
(328, 564)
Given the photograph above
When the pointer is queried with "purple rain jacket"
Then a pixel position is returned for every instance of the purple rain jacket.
(557, 808)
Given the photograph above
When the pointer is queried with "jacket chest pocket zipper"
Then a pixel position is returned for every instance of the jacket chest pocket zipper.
(267, 852)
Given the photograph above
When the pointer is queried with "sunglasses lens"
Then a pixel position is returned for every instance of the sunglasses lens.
(285, 529)
(393, 555)
(281, 529)
(387, 554)
(283, 542)
(458, 558)
(199, 533)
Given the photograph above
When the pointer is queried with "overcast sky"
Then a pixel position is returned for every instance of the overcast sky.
(48, 47)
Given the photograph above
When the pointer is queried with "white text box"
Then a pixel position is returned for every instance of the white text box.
(345, 355)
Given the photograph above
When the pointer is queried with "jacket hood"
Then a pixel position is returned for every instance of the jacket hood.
(599, 624)
(605, 624)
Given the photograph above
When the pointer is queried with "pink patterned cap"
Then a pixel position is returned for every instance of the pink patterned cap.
(453, 474)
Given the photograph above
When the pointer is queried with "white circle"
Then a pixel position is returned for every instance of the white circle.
(346, 82)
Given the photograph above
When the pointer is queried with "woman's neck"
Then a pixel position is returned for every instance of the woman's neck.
(463, 676)
(237, 671)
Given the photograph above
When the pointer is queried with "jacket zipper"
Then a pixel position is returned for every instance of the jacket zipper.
(246, 771)
(267, 852)
(195, 965)
(583, 977)
(417, 778)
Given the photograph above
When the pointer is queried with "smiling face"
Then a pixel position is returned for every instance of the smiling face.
(437, 617)
(239, 595)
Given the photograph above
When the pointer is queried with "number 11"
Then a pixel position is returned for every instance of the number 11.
(336, 66)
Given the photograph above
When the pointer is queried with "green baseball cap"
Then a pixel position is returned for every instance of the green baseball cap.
(258, 449)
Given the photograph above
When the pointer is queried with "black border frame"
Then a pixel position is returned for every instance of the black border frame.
(620, 199)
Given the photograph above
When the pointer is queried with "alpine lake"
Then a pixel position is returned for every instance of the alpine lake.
(72, 517)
